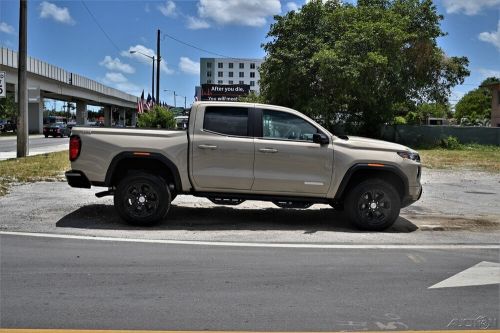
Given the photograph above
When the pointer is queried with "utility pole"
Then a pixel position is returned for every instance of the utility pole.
(22, 84)
(158, 59)
(153, 79)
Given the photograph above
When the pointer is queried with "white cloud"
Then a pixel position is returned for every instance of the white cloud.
(115, 78)
(469, 7)
(195, 23)
(116, 65)
(291, 6)
(491, 37)
(189, 66)
(238, 12)
(120, 82)
(168, 9)
(139, 56)
(485, 73)
(59, 14)
(8, 29)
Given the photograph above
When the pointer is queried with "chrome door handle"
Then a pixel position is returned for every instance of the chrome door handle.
(268, 150)
(212, 147)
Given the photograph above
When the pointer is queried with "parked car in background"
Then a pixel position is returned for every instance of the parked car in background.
(57, 129)
(8, 125)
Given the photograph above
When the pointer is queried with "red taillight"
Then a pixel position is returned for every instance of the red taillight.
(75, 144)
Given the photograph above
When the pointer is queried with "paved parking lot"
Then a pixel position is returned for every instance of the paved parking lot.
(456, 207)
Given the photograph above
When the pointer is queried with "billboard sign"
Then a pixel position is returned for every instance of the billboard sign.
(223, 92)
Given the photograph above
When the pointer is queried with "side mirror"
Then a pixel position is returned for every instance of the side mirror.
(320, 138)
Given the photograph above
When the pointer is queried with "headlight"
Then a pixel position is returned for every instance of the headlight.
(411, 156)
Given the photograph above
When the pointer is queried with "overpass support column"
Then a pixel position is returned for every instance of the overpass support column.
(108, 116)
(123, 117)
(133, 122)
(35, 117)
(81, 113)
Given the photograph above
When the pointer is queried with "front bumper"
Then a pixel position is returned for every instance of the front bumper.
(77, 179)
(414, 194)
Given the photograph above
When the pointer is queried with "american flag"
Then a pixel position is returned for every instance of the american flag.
(149, 103)
(140, 104)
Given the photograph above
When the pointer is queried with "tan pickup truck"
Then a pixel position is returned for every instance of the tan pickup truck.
(232, 152)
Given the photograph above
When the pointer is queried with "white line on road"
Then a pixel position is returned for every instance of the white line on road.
(268, 245)
(481, 274)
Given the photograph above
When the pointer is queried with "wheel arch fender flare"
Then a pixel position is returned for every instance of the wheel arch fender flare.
(369, 170)
(127, 155)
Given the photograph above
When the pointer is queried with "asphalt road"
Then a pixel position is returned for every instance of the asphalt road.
(88, 284)
(38, 144)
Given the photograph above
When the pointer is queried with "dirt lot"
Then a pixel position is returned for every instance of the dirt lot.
(456, 206)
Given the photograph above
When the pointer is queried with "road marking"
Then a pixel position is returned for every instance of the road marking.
(269, 245)
(14, 330)
(416, 258)
(481, 274)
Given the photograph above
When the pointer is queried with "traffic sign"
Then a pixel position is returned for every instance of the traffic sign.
(3, 85)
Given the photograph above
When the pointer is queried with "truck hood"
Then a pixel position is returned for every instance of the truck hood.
(357, 142)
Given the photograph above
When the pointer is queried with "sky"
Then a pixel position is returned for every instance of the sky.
(94, 38)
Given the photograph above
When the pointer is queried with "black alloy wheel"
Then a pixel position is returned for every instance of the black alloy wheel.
(373, 205)
(142, 199)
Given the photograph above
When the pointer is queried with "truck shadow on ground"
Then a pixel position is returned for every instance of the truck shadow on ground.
(104, 217)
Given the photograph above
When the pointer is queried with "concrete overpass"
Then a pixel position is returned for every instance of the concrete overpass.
(49, 81)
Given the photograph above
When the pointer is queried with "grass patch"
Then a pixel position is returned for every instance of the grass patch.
(473, 157)
(46, 167)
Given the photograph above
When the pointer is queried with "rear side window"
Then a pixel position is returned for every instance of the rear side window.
(226, 120)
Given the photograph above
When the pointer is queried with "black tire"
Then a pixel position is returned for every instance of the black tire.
(142, 199)
(373, 205)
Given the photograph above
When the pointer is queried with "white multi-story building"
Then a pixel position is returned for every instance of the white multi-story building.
(230, 71)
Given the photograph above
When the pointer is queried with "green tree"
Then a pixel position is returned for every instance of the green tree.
(158, 117)
(8, 108)
(356, 65)
(424, 111)
(475, 106)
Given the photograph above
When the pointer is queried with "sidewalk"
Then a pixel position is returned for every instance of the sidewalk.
(34, 149)
(14, 137)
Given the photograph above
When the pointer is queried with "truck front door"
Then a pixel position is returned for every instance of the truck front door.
(286, 159)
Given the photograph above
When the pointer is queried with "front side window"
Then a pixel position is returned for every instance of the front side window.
(220, 74)
(226, 120)
(252, 66)
(220, 65)
(242, 65)
(230, 74)
(209, 74)
(230, 65)
(286, 126)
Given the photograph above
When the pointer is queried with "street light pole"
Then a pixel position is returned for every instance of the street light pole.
(153, 75)
(175, 103)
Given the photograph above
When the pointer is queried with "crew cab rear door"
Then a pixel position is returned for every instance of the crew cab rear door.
(286, 159)
(222, 148)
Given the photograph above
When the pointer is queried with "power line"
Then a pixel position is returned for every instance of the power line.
(197, 48)
(100, 27)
